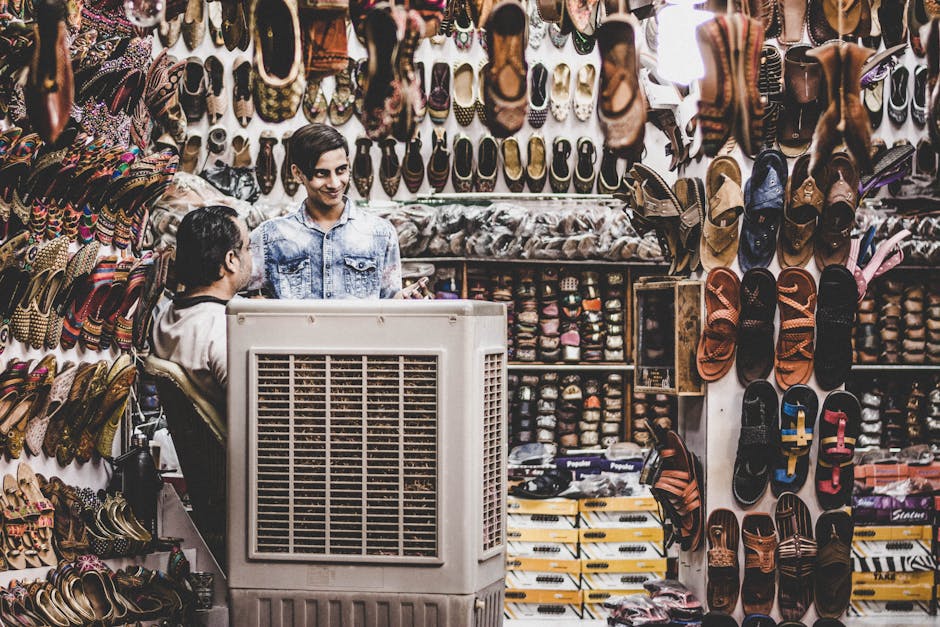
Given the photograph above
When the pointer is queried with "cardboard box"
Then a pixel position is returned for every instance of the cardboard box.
(904, 611)
(521, 534)
(677, 305)
(892, 592)
(542, 604)
(588, 535)
(618, 581)
(893, 543)
(541, 612)
(542, 565)
(543, 550)
(622, 550)
(541, 521)
(556, 506)
(620, 520)
(624, 566)
(532, 580)
(905, 579)
(876, 510)
(619, 504)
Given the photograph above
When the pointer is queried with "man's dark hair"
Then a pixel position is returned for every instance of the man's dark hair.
(308, 143)
(203, 238)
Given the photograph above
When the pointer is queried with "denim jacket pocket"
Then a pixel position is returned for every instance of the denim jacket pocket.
(294, 278)
(361, 276)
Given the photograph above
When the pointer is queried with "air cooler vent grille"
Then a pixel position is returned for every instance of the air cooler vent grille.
(347, 456)
(493, 487)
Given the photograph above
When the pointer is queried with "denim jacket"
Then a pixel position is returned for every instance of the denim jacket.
(357, 257)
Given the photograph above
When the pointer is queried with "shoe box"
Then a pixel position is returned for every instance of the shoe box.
(599, 587)
(888, 510)
(542, 537)
(917, 586)
(881, 475)
(893, 548)
(542, 604)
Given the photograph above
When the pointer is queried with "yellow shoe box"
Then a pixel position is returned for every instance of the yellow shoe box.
(892, 592)
(542, 565)
(542, 604)
(534, 580)
(557, 506)
(521, 534)
(618, 520)
(905, 579)
(619, 504)
(906, 612)
(622, 550)
(618, 581)
(543, 550)
(541, 521)
(627, 534)
(623, 565)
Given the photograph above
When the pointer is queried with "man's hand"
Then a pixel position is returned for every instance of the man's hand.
(416, 291)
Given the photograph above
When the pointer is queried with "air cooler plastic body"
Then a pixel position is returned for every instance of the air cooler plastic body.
(366, 473)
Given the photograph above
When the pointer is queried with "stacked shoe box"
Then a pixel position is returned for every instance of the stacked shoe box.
(502, 293)
(892, 548)
(526, 327)
(622, 547)
(542, 566)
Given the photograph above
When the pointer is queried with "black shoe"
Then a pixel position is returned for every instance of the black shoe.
(439, 162)
(413, 166)
(362, 173)
(536, 169)
(487, 164)
(899, 97)
(389, 168)
(609, 180)
(462, 170)
(559, 176)
(584, 174)
(194, 89)
(919, 100)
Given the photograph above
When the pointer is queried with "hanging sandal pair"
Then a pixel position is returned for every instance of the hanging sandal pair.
(674, 474)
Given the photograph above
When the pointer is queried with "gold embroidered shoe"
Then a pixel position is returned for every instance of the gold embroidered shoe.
(277, 75)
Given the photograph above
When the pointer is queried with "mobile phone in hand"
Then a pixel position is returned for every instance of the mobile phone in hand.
(417, 290)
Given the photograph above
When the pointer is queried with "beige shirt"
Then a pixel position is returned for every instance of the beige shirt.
(191, 332)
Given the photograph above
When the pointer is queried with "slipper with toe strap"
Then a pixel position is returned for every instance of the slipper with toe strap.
(796, 556)
(760, 563)
(758, 434)
(797, 420)
(834, 532)
(839, 428)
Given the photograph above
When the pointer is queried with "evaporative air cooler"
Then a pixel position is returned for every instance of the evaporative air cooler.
(366, 470)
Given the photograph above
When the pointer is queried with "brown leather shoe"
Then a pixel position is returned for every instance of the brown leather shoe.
(825, 22)
(291, 185)
(834, 233)
(749, 130)
(845, 118)
(216, 101)
(792, 16)
(805, 203)
(242, 105)
(194, 24)
(265, 165)
(504, 82)
(621, 106)
(362, 172)
(716, 102)
(49, 90)
(323, 38)
(801, 107)
(235, 32)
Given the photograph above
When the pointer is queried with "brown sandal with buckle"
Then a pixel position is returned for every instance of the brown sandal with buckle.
(716, 348)
(797, 555)
(760, 547)
(719, 246)
(678, 489)
(723, 577)
(796, 294)
(834, 532)
(795, 245)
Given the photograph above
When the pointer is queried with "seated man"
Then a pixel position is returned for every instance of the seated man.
(212, 264)
(328, 248)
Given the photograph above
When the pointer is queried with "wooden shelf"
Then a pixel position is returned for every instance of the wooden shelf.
(567, 366)
(896, 367)
(555, 262)
(153, 561)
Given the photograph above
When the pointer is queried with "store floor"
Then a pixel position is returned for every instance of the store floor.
(884, 621)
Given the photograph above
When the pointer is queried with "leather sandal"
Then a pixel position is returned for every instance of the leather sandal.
(833, 235)
(719, 245)
(834, 531)
(764, 198)
(716, 348)
(759, 433)
(801, 106)
(621, 107)
(656, 207)
(677, 487)
(760, 547)
(796, 296)
(795, 244)
(723, 575)
(835, 319)
(755, 354)
(792, 21)
(717, 98)
(797, 420)
(839, 428)
(504, 85)
(796, 556)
